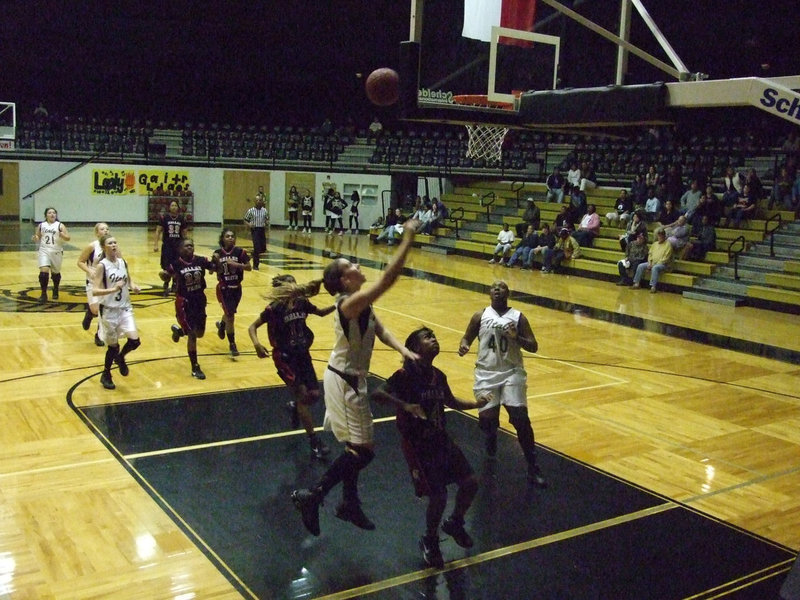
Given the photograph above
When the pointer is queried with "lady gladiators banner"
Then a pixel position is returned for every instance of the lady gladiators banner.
(142, 183)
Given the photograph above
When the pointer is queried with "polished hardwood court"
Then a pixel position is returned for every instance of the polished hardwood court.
(695, 402)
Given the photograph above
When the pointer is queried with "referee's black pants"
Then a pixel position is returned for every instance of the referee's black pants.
(259, 235)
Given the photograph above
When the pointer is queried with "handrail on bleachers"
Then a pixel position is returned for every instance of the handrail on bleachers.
(735, 254)
(456, 216)
(487, 205)
(771, 232)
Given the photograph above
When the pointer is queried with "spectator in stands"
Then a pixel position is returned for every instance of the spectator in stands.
(531, 217)
(732, 183)
(673, 183)
(375, 128)
(699, 174)
(426, 217)
(678, 234)
(708, 206)
(40, 112)
(589, 228)
(622, 210)
(555, 186)
(635, 227)
(639, 191)
(577, 205)
(573, 177)
(743, 210)
(563, 219)
(653, 178)
(566, 248)
(528, 242)
(782, 191)
(635, 254)
(589, 178)
(435, 220)
(393, 218)
(504, 241)
(690, 200)
(702, 241)
(547, 240)
(652, 206)
(669, 215)
(659, 259)
(756, 187)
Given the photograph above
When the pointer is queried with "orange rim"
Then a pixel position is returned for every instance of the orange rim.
(481, 100)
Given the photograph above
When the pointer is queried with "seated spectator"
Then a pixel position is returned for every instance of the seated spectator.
(732, 183)
(669, 215)
(573, 178)
(781, 191)
(635, 254)
(389, 233)
(555, 186)
(547, 240)
(673, 184)
(743, 210)
(563, 219)
(690, 200)
(703, 240)
(589, 179)
(653, 178)
(589, 228)
(678, 234)
(622, 210)
(375, 128)
(426, 216)
(709, 206)
(577, 205)
(636, 226)
(531, 216)
(523, 249)
(639, 191)
(659, 259)
(434, 221)
(566, 248)
(652, 206)
(504, 240)
(756, 187)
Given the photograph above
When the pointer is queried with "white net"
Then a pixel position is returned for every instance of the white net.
(486, 141)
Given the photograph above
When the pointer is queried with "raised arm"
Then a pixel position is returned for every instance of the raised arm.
(471, 333)
(387, 338)
(357, 302)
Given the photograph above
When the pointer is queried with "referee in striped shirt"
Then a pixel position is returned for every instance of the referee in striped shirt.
(256, 219)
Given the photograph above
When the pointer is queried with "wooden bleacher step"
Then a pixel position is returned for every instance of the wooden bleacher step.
(715, 297)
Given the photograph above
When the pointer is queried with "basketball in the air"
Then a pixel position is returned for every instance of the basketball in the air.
(383, 86)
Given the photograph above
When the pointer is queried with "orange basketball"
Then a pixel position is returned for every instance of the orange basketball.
(383, 86)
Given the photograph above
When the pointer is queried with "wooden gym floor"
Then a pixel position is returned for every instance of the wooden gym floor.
(644, 402)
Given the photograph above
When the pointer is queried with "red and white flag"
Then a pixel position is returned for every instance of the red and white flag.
(481, 15)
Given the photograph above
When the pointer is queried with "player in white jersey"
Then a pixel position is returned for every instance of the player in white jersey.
(347, 410)
(500, 375)
(113, 283)
(50, 234)
(87, 261)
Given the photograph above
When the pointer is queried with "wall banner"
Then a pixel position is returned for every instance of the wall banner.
(167, 181)
(113, 182)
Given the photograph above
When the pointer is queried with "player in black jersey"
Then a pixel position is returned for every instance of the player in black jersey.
(189, 274)
(230, 262)
(291, 339)
(434, 460)
(171, 229)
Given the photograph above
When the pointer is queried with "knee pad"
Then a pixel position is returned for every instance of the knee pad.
(132, 345)
(362, 455)
(518, 416)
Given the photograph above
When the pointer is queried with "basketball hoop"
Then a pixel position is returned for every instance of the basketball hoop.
(485, 140)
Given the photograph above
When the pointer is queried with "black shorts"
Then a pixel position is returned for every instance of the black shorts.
(191, 314)
(169, 253)
(434, 464)
(296, 369)
(229, 298)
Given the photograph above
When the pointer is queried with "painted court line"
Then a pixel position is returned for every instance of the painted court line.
(500, 552)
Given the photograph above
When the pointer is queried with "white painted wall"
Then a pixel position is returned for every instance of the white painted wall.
(72, 195)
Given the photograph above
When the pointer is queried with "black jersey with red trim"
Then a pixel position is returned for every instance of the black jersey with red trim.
(286, 326)
(231, 277)
(190, 276)
(427, 387)
(172, 228)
